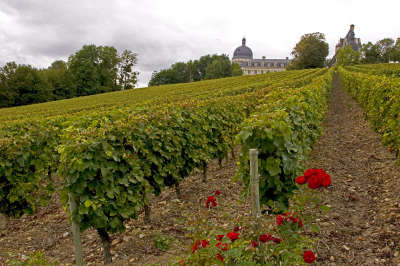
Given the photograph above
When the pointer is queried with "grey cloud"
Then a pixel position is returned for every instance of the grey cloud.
(163, 32)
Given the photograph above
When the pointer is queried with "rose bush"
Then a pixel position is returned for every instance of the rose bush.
(270, 240)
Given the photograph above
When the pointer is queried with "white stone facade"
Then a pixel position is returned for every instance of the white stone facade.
(244, 57)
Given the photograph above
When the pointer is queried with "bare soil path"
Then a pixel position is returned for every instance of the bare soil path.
(363, 226)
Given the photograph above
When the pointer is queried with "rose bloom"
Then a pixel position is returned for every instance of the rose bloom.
(326, 180)
(279, 219)
(314, 182)
(308, 256)
(204, 243)
(265, 237)
(308, 173)
(301, 180)
(194, 249)
(233, 235)
(277, 240)
(219, 237)
(219, 257)
(254, 243)
(218, 192)
(224, 246)
(212, 200)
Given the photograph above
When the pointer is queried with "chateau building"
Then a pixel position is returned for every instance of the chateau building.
(349, 40)
(244, 57)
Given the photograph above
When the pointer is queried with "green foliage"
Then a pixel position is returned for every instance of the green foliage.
(91, 70)
(383, 51)
(379, 96)
(207, 67)
(282, 129)
(114, 159)
(22, 84)
(161, 242)
(36, 259)
(294, 239)
(94, 69)
(7, 94)
(310, 52)
(127, 77)
(27, 161)
(389, 69)
(347, 56)
(60, 80)
(236, 70)
(219, 68)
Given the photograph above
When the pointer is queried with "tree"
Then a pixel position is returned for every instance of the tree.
(347, 56)
(219, 68)
(236, 70)
(385, 47)
(7, 93)
(396, 51)
(310, 52)
(370, 53)
(60, 80)
(207, 67)
(127, 77)
(192, 70)
(94, 69)
(28, 85)
(204, 61)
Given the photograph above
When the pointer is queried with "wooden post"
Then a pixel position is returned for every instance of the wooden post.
(3, 222)
(204, 173)
(147, 218)
(254, 183)
(73, 206)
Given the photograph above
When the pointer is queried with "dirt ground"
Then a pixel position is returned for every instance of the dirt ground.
(49, 231)
(362, 228)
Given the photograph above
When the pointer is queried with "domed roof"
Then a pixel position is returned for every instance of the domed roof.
(243, 51)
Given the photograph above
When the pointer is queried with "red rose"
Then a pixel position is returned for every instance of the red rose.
(279, 219)
(308, 173)
(301, 180)
(264, 238)
(326, 180)
(308, 256)
(300, 223)
(224, 246)
(233, 235)
(194, 249)
(237, 228)
(211, 200)
(254, 244)
(219, 237)
(219, 257)
(204, 243)
(314, 182)
(218, 192)
(276, 240)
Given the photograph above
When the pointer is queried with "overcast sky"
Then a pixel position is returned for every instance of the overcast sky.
(162, 32)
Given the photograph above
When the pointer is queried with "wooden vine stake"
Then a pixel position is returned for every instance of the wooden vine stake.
(254, 183)
(73, 206)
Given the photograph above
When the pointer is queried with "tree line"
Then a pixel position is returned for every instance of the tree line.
(383, 51)
(312, 51)
(91, 70)
(206, 67)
